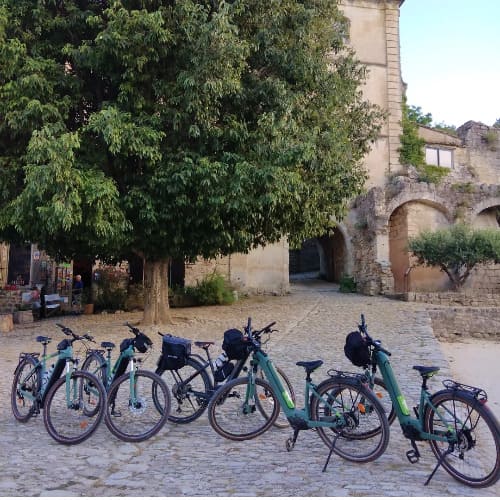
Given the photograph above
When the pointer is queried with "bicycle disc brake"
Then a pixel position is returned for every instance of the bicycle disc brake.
(138, 406)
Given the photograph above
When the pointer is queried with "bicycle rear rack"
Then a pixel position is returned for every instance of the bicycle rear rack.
(477, 392)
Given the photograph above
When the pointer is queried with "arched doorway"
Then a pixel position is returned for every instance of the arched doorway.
(407, 221)
(325, 257)
(305, 260)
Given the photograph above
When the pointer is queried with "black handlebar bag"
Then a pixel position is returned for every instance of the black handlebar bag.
(235, 344)
(356, 349)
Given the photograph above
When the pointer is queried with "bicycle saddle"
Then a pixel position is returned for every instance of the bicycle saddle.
(310, 365)
(107, 345)
(43, 339)
(203, 344)
(426, 371)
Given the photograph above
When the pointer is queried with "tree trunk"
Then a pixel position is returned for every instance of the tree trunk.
(156, 307)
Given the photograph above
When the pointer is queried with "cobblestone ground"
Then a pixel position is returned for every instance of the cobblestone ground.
(192, 459)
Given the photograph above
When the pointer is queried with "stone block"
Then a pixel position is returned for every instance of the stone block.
(6, 323)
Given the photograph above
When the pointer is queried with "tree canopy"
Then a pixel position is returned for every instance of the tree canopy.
(457, 250)
(177, 129)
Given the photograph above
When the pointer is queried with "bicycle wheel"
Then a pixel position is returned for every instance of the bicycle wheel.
(25, 388)
(475, 459)
(190, 395)
(384, 399)
(281, 422)
(359, 423)
(96, 364)
(235, 416)
(137, 418)
(71, 413)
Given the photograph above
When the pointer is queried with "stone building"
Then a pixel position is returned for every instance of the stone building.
(369, 245)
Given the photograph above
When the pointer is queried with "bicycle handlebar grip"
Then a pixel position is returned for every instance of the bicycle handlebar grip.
(268, 326)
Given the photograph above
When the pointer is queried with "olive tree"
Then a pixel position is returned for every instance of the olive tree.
(457, 250)
(177, 129)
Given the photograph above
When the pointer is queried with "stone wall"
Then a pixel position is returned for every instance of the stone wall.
(455, 298)
(9, 299)
(455, 323)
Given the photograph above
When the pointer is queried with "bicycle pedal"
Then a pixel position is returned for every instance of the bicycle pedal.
(412, 456)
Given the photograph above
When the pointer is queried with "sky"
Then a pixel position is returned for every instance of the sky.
(450, 58)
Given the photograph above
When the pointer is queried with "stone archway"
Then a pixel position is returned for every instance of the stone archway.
(408, 220)
(484, 278)
(335, 256)
(328, 257)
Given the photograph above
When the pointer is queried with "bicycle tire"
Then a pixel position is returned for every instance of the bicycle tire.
(478, 433)
(363, 433)
(189, 400)
(233, 419)
(95, 363)
(281, 422)
(74, 422)
(142, 419)
(28, 375)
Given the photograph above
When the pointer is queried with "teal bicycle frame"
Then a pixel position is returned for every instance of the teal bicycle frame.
(294, 414)
(65, 362)
(111, 370)
(411, 426)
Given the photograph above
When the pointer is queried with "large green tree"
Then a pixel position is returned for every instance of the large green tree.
(177, 129)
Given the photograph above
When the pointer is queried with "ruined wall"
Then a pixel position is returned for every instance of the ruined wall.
(482, 145)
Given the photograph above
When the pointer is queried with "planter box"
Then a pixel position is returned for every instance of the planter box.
(88, 309)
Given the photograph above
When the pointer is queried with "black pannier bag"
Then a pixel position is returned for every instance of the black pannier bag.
(356, 349)
(175, 352)
(235, 344)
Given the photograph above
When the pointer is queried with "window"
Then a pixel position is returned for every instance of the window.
(439, 157)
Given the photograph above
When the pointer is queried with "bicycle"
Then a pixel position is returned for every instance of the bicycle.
(138, 400)
(462, 432)
(342, 409)
(72, 412)
(194, 384)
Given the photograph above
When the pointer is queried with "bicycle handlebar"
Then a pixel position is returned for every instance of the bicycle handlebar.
(363, 328)
(67, 331)
(134, 329)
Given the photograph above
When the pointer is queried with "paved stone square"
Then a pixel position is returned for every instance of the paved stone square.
(191, 459)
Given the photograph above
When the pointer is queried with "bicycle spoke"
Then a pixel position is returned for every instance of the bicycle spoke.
(473, 457)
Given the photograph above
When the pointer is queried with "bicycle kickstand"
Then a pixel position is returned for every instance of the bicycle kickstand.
(331, 451)
(440, 461)
(290, 442)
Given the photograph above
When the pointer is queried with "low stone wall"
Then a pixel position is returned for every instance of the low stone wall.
(455, 299)
(9, 300)
(455, 323)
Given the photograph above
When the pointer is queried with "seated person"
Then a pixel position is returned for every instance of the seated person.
(36, 303)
